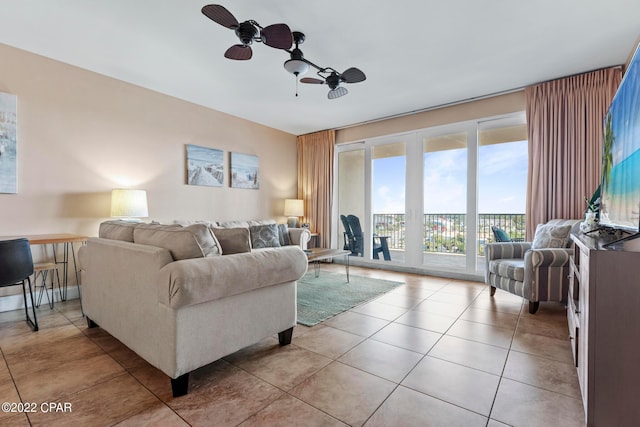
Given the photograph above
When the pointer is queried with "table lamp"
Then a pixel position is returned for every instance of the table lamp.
(129, 204)
(293, 210)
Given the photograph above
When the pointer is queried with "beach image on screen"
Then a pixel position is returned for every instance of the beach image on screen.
(620, 200)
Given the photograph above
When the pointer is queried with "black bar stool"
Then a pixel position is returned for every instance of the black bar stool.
(16, 267)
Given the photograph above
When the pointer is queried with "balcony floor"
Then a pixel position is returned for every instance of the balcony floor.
(449, 265)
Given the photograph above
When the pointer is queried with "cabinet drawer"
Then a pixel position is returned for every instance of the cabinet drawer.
(574, 284)
(573, 322)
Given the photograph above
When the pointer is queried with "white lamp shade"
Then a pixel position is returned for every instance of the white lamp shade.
(296, 67)
(127, 203)
(293, 207)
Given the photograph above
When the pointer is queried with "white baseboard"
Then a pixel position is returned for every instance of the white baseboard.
(16, 302)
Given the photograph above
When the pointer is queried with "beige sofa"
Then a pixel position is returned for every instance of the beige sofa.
(168, 294)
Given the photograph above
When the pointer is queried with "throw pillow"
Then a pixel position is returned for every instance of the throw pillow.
(264, 236)
(551, 236)
(283, 234)
(206, 239)
(233, 240)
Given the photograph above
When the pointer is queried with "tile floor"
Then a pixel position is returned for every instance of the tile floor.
(432, 352)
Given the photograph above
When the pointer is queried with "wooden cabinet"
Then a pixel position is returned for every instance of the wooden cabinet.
(604, 328)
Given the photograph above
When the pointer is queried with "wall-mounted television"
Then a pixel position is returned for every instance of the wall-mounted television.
(620, 183)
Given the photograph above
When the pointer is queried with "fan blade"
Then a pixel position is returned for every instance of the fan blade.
(311, 80)
(278, 36)
(239, 52)
(353, 75)
(219, 14)
(337, 92)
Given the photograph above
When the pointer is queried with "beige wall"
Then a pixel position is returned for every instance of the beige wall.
(494, 106)
(80, 134)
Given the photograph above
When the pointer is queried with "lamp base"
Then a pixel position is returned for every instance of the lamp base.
(292, 222)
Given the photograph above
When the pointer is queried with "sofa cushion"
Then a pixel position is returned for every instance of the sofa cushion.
(117, 230)
(511, 268)
(551, 236)
(233, 240)
(283, 235)
(244, 224)
(206, 239)
(182, 242)
(187, 222)
(264, 236)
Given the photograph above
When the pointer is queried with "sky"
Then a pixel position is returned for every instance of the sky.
(502, 180)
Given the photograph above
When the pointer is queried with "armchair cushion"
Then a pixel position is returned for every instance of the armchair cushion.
(551, 236)
(549, 257)
(510, 268)
(506, 250)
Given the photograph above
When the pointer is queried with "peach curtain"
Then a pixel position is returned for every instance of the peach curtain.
(315, 181)
(564, 119)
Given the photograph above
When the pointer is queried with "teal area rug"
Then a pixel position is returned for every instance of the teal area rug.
(320, 298)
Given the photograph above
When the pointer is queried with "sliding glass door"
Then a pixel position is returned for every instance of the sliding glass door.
(427, 199)
(388, 200)
(351, 190)
(502, 180)
(445, 166)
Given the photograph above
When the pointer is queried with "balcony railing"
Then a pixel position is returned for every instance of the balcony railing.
(447, 232)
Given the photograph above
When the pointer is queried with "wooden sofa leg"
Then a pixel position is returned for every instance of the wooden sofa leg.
(533, 306)
(285, 336)
(492, 291)
(91, 323)
(180, 385)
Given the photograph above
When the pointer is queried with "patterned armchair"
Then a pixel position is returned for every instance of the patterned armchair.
(528, 270)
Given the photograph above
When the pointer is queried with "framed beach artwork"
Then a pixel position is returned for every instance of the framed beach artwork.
(205, 166)
(8, 146)
(244, 171)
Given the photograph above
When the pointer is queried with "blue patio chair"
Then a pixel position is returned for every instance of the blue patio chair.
(500, 235)
(380, 243)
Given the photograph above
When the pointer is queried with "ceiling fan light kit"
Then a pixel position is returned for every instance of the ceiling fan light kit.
(296, 65)
(280, 36)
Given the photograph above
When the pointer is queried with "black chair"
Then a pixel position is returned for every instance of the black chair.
(16, 267)
(347, 235)
(380, 243)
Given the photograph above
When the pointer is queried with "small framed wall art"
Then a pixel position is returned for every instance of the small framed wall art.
(245, 170)
(205, 166)
(8, 145)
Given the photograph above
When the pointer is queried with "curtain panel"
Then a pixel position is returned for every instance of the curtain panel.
(315, 181)
(564, 119)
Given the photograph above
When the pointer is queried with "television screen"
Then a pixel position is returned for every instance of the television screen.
(620, 186)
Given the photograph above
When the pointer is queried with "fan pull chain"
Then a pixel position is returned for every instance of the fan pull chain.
(297, 84)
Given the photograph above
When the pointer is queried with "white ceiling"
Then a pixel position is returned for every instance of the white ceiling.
(416, 54)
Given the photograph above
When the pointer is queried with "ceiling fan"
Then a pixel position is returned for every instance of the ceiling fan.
(299, 65)
(279, 36)
(333, 80)
(276, 35)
